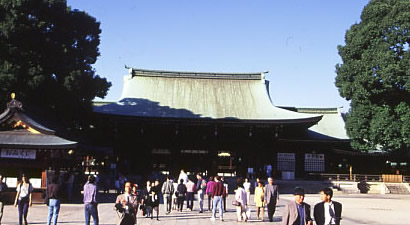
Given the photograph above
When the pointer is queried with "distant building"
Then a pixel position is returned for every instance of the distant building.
(221, 123)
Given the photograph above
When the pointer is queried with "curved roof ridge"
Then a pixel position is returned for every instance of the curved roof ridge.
(216, 99)
(15, 110)
(197, 75)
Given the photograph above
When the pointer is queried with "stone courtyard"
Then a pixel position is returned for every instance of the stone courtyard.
(357, 209)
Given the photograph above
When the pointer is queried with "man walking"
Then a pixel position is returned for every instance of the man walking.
(217, 193)
(53, 193)
(200, 188)
(271, 197)
(3, 188)
(328, 211)
(167, 191)
(90, 201)
(297, 212)
(127, 204)
(190, 188)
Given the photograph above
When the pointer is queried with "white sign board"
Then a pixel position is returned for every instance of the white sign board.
(12, 182)
(18, 153)
(36, 182)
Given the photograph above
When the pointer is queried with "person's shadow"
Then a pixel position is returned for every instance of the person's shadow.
(277, 219)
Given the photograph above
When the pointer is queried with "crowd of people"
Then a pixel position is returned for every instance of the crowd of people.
(176, 193)
(133, 200)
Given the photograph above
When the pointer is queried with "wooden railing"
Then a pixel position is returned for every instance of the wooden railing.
(362, 177)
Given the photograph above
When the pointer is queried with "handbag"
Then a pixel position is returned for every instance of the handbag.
(236, 203)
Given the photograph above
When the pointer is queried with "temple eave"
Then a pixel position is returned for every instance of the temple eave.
(309, 121)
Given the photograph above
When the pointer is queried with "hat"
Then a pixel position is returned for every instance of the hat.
(299, 191)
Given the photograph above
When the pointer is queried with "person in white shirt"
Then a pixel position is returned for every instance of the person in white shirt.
(247, 187)
(184, 176)
(241, 198)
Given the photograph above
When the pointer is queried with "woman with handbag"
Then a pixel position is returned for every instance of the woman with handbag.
(259, 203)
(23, 198)
(240, 201)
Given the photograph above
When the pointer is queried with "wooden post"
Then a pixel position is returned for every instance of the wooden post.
(44, 179)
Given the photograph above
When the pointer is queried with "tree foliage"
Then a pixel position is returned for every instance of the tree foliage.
(375, 76)
(46, 56)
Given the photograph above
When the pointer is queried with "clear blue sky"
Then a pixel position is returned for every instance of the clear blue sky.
(295, 40)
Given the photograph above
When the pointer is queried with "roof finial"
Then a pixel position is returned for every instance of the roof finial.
(13, 95)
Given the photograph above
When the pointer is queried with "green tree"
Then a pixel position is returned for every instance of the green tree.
(46, 56)
(375, 77)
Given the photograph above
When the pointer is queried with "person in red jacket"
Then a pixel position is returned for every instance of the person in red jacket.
(217, 193)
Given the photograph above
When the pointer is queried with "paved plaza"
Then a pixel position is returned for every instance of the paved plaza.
(357, 209)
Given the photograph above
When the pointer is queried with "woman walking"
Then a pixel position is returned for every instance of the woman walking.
(259, 201)
(241, 198)
(23, 198)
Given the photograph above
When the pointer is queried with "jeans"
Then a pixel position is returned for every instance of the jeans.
(23, 209)
(217, 201)
(91, 209)
(201, 200)
(53, 210)
(190, 200)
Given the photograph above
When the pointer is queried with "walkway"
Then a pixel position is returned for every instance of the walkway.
(357, 209)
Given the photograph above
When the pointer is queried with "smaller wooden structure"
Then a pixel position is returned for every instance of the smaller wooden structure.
(28, 147)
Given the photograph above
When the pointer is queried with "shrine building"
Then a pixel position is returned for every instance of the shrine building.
(217, 123)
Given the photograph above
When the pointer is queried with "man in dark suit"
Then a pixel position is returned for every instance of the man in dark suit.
(297, 212)
(327, 211)
(271, 197)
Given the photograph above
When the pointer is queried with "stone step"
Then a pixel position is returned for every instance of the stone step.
(397, 188)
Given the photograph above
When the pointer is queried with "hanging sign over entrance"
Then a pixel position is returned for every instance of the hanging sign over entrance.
(18, 153)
